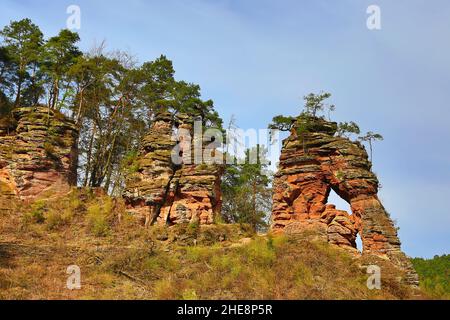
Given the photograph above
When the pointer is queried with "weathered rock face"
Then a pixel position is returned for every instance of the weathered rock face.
(167, 192)
(38, 153)
(313, 164)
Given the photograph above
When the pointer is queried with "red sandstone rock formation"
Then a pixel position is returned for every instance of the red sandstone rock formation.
(38, 153)
(169, 193)
(313, 164)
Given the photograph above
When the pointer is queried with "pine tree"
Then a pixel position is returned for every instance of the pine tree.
(23, 42)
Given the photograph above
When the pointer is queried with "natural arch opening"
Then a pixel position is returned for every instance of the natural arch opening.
(359, 243)
(340, 203)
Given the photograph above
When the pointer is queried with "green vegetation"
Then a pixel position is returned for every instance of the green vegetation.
(55, 214)
(23, 45)
(247, 195)
(111, 98)
(315, 103)
(58, 56)
(304, 124)
(370, 137)
(434, 275)
(49, 150)
(36, 213)
(99, 216)
(130, 162)
(348, 128)
(282, 123)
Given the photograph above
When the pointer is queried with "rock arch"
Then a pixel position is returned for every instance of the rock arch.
(309, 168)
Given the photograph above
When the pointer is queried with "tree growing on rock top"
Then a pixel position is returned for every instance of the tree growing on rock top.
(59, 54)
(315, 103)
(22, 43)
(371, 137)
(282, 123)
(346, 129)
(304, 123)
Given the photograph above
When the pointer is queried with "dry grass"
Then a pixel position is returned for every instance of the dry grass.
(125, 261)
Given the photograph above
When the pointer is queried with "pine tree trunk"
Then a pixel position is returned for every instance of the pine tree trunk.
(19, 92)
(55, 94)
(80, 107)
(254, 205)
(108, 167)
(89, 156)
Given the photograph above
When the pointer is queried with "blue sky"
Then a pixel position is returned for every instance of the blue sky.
(257, 58)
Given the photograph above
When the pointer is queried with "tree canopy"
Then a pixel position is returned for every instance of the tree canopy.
(434, 275)
(22, 48)
(110, 96)
(348, 128)
(315, 103)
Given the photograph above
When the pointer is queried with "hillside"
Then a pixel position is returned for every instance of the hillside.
(120, 259)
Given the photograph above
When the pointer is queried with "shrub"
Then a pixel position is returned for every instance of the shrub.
(130, 162)
(260, 252)
(166, 289)
(158, 263)
(4, 188)
(193, 228)
(49, 149)
(197, 254)
(340, 176)
(189, 294)
(98, 219)
(36, 215)
(59, 141)
(55, 219)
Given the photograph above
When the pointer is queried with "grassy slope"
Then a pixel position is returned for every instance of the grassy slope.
(125, 261)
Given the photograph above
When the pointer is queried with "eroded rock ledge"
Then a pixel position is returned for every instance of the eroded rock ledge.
(164, 192)
(313, 164)
(38, 153)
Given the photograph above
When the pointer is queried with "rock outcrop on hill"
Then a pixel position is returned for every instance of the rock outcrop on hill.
(38, 153)
(167, 192)
(316, 162)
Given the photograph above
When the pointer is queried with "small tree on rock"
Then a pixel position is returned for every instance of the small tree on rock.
(346, 129)
(315, 104)
(371, 137)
